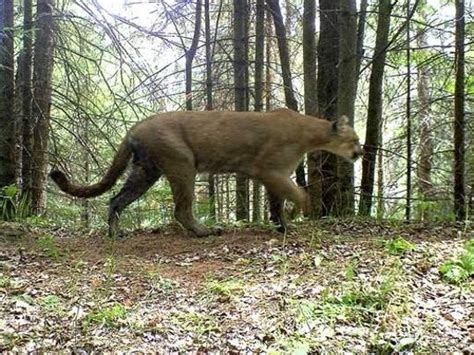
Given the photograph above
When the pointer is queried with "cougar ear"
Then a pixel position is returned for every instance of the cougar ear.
(340, 123)
(343, 121)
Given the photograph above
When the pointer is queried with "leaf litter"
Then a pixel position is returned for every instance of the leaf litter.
(355, 285)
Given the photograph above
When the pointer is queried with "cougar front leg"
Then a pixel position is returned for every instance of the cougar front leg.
(183, 194)
(276, 212)
(281, 187)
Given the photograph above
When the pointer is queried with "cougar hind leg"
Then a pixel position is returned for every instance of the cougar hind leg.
(142, 176)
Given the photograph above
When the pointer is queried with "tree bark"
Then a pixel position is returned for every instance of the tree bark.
(268, 86)
(190, 54)
(209, 103)
(259, 59)
(290, 99)
(360, 37)
(7, 87)
(311, 100)
(42, 78)
(26, 99)
(240, 64)
(346, 95)
(408, 117)
(380, 183)
(328, 58)
(374, 114)
(425, 146)
(459, 120)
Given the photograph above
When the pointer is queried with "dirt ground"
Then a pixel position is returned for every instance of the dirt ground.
(329, 287)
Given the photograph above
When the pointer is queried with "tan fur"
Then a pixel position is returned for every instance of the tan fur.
(263, 146)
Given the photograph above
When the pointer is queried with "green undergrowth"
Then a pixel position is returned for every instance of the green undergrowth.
(458, 270)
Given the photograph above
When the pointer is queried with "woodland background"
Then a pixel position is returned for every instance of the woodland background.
(75, 75)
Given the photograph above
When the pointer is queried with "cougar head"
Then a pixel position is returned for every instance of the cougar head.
(344, 140)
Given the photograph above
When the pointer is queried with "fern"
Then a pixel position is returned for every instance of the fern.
(457, 271)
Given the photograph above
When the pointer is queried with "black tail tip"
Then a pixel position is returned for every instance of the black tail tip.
(57, 175)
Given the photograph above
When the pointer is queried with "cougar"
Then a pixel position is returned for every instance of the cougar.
(266, 147)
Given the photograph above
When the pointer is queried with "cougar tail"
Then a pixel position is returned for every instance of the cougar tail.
(117, 168)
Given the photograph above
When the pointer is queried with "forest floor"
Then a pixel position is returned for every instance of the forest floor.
(355, 286)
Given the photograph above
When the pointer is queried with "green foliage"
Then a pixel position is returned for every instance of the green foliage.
(374, 296)
(290, 345)
(52, 304)
(13, 205)
(5, 281)
(224, 288)
(399, 246)
(162, 284)
(111, 316)
(435, 211)
(355, 300)
(195, 322)
(351, 270)
(47, 244)
(459, 270)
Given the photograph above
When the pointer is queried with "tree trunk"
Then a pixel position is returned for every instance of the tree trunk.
(17, 111)
(85, 212)
(26, 99)
(190, 54)
(42, 77)
(268, 87)
(290, 99)
(459, 123)
(328, 58)
(311, 100)
(408, 117)
(209, 103)
(380, 183)
(425, 146)
(268, 62)
(240, 64)
(7, 87)
(346, 95)
(259, 54)
(374, 114)
(360, 37)
(259, 58)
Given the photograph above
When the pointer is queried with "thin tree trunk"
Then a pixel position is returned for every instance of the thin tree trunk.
(268, 87)
(311, 100)
(240, 64)
(259, 54)
(17, 111)
(290, 99)
(328, 58)
(280, 32)
(85, 213)
(259, 59)
(7, 87)
(42, 77)
(190, 54)
(425, 147)
(459, 120)
(346, 99)
(268, 62)
(374, 115)
(380, 182)
(26, 99)
(360, 37)
(408, 117)
(209, 103)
